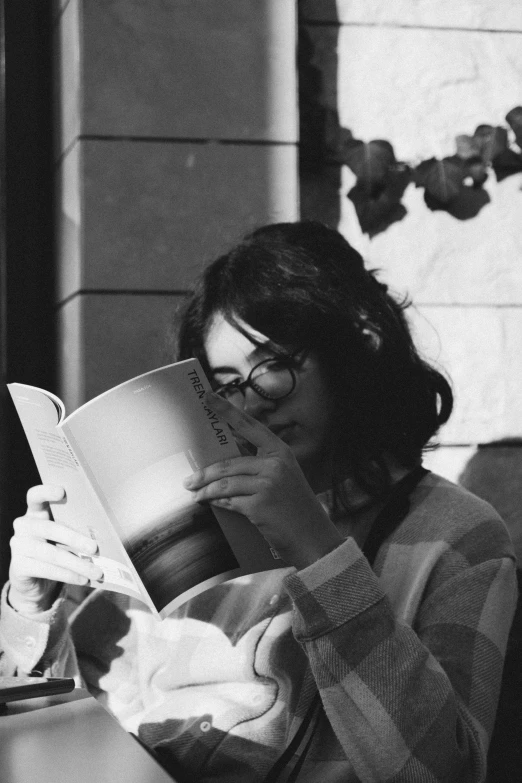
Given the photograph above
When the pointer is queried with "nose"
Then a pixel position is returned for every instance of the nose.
(255, 405)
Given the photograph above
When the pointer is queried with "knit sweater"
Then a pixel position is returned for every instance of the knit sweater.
(407, 656)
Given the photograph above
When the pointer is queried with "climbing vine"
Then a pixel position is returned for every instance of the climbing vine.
(454, 183)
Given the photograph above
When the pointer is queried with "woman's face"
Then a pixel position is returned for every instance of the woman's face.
(302, 420)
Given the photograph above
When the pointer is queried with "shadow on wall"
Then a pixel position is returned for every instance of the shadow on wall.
(319, 172)
(454, 183)
(494, 473)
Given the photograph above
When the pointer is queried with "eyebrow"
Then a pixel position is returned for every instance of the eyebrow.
(223, 370)
(258, 351)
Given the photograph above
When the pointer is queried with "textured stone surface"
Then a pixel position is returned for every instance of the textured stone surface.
(141, 205)
(152, 214)
(189, 69)
(66, 81)
(57, 6)
(70, 354)
(68, 223)
(393, 77)
(481, 350)
(107, 339)
(449, 461)
(418, 88)
(439, 259)
(474, 14)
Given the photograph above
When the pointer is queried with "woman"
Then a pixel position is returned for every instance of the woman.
(377, 654)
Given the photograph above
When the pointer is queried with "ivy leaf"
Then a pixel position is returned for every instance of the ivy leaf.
(468, 151)
(514, 120)
(467, 147)
(420, 172)
(507, 163)
(370, 161)
(375, 214)
(441, 179)
(476, 169)
(467, 204)
(382, 207)
(336, 138)
(491, 141)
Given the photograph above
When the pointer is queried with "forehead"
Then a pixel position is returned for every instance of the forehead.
(226, 346)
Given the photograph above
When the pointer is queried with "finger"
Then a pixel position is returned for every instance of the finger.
(28, 560)
(245, 448)
(227, 467)
(52, 572)
(37, 528)
(243, 424)
(39, 497)
(228, 487)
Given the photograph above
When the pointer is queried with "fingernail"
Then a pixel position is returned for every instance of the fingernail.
(91, 547)
(96, 573)
(57, 494)
(193, 479)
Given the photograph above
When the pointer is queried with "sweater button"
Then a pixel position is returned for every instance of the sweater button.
(205, 726)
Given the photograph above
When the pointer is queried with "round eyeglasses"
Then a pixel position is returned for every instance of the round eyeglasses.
(272, 379)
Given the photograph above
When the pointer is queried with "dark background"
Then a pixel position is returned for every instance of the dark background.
(26, 238)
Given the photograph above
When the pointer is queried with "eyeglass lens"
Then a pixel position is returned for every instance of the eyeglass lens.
(271, 379)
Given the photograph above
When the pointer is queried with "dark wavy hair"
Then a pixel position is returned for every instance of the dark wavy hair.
(305, 287)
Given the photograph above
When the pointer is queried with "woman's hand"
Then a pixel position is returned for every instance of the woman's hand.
(37, 563)
(270, 489)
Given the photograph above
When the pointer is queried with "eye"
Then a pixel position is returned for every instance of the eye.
(225, 383)
(225, 378)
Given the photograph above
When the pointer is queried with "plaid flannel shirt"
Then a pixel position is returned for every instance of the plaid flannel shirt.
(407, 657)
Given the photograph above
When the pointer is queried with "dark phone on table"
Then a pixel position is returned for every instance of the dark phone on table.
(14, 688)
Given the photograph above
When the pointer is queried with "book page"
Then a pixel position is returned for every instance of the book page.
(39, 414)
(137, 442)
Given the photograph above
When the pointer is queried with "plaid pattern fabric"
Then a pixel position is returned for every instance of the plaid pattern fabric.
(407, 657)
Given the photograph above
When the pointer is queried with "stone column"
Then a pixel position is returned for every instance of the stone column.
(177, 134)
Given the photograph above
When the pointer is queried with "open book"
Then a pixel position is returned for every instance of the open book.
(122, 458)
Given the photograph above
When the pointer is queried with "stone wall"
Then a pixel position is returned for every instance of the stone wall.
(417, 73)
(176, 133)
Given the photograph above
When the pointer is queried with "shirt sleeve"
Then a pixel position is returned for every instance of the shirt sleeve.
(408, 702)
(36, 645)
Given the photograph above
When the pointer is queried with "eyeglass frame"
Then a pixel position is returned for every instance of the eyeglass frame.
(242, 386)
